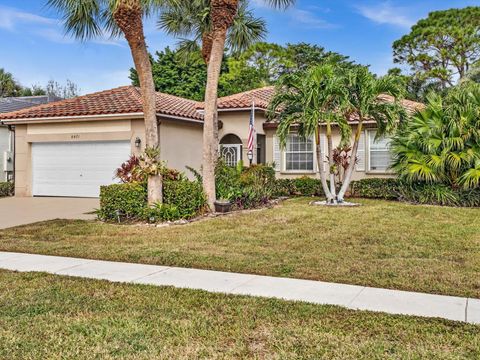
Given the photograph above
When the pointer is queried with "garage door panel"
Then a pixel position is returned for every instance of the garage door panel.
(76, 168)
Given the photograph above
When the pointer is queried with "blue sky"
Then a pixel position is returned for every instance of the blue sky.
(34, 48)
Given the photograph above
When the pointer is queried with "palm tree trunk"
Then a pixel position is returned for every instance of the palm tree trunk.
(331, 164)
(351, 165)
(128, 17)
(222, 15)
(320, 165)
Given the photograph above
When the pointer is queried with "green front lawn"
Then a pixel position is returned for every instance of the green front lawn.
(382, 244)
(52, 317)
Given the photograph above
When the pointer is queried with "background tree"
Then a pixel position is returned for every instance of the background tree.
(175, 75)
(8, 85)
(441, 144)
(67, 91)
(34, 90)
(93, 18)
(443, 46)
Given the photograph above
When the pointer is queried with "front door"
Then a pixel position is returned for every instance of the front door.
(231, 153)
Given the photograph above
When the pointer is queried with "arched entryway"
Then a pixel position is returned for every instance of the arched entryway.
(231, 149)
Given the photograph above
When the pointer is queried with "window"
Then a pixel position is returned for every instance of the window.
(298, 154)
(380, 157)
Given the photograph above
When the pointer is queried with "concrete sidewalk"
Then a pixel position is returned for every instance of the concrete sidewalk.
(317, 292)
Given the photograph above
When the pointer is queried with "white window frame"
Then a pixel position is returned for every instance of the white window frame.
(368, 151)
(284, 160)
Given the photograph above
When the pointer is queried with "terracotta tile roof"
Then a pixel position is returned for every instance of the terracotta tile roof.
(122, 100)
(243, 100)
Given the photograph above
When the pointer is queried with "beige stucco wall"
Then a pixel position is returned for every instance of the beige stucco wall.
(237, 123)
(181, 142)
(357, 175)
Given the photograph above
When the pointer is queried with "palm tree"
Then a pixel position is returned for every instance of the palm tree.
(441, 144)
(93, 18)
(365, 92)
(8, 85)
(308, 103)
(328, 94)
(190, 21)
(201, 20)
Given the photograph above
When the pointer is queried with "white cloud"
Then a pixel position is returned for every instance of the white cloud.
(10, 18)
(306, 17)
(309, 19)
(38, 26)
(386, 13)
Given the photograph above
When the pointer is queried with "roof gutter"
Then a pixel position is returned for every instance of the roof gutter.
(136, 115)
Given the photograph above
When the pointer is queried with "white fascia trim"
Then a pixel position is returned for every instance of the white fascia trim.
(180, 118)
(138, 115)
(73, 118)
(235, 109)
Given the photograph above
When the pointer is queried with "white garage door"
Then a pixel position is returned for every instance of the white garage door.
(76, 169)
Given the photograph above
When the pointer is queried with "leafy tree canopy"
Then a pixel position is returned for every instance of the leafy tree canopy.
(262, 64)
(442, 47)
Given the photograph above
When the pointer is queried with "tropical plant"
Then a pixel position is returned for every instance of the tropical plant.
(94, 18)
(128, 173)
(311, 102)
(8, 84)
(341, 159)
(216, 23)
(441, 144)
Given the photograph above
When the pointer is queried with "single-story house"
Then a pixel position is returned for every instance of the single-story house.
(71, 147)
(7, 105)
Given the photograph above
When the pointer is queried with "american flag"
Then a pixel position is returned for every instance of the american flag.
(251, 129)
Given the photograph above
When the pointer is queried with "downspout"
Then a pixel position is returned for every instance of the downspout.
(13, 143)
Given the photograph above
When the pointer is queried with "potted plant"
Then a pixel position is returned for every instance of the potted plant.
(223, 206)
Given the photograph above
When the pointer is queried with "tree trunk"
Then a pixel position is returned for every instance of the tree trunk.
(331, 164)
(351, 165)
(223, 13)
(128, 17)
(320, 165)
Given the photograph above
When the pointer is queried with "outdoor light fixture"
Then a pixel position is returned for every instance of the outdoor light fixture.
(250, 156)
(138, 141)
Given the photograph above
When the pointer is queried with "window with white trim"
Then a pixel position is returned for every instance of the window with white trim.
(299, 153)
(380, 156)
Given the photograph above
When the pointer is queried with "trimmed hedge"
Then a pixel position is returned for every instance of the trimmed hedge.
(182, 199)
(374, 188)
(416, 193)
(303, 186)
(122, 201)
(7, 189)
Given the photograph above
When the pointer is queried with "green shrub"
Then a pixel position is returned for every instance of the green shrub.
(7, 189)
(247, 187)
(416, 193)
(386, 189)
(187, 196)
(161, 212)
(438, 194)
(304, 186)
(125, 200)
(183, 199)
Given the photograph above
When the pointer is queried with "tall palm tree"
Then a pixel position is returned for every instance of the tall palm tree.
(441, 143)
(93, 18)
(190, 21)
(201, 20)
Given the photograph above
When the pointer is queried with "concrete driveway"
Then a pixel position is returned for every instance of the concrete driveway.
(15, 211)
